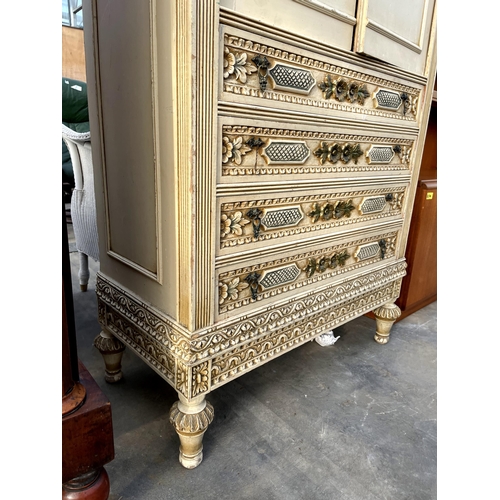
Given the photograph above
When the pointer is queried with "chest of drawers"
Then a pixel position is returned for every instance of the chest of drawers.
(254, 179)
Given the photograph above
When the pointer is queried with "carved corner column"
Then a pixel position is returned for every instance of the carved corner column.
(111, 350)
(191, 419)
(385, 317)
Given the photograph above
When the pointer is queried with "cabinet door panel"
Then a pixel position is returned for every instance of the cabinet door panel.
(395, 32)
(328, 21)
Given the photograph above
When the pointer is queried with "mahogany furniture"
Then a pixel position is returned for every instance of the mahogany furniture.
(419, 286)
(87, 430)
(255, 168)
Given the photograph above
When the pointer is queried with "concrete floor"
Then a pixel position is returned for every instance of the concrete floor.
(354, 421)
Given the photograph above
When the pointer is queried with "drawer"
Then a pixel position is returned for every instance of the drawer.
(274, 151)
(260, 72)
(256, 221)
(249, 281)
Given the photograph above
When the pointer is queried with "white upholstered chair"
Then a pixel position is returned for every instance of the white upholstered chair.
(83, 211)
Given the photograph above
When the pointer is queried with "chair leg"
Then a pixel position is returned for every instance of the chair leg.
(111, 350)
(84, 273)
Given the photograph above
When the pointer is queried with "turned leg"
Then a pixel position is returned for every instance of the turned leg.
(191, 420)
(91, 486)
(111, 350)
(84, 273)
(385, 316)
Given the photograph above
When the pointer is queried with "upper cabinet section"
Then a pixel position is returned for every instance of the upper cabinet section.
(392, 31)
(395, 32)
(331, 22)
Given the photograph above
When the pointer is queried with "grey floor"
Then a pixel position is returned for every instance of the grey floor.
(354, 421)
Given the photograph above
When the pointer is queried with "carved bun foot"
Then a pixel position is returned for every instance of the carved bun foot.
(385, 317)
(111, 350)
(190, 420)
(91, 486)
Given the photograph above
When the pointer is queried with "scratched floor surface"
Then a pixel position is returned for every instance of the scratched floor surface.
(354, 421)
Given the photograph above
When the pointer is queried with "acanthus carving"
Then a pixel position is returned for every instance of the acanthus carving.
(182, 379)
(108, 344)
(191, 423)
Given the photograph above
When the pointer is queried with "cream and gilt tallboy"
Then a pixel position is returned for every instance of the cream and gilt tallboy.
(255, 170)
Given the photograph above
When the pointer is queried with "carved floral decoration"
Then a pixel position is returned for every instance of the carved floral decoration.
(403, 152)
(335, 152)
(200, 379)
(395, 200)
(232, 224)
(329, 210)
(410, 103)
(343, 90)
(231, 290)
(236, 64)
(337, 259)
(234, 149)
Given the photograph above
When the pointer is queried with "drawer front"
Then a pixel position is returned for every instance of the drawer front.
(249, 281)
(253, 222)
(264, 72)
(251, 153)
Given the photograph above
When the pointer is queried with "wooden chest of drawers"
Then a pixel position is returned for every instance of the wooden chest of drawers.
(254, 179)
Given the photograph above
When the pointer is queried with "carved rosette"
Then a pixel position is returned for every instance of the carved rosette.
(237, 65)
(232, 224)
(200, 379)
(191, 381)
